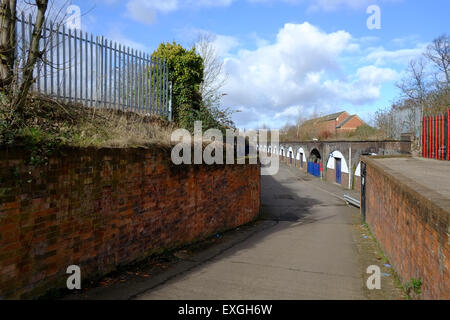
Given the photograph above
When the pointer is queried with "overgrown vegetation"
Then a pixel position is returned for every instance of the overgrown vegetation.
(413, 288)
(187, 74)
(43, 124)
(305, 131)
(46, 124)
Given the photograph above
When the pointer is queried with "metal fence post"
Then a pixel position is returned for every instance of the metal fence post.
(170, 101)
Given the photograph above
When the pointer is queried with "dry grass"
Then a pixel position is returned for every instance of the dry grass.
(49, 121)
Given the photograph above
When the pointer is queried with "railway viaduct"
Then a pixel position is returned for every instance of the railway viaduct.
(336, 161)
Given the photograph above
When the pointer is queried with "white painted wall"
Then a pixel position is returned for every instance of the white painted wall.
(301, 151)
(358, 170)
(331, 161)
(289, 152)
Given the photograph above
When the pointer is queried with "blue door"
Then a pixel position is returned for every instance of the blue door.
(338, 171)
(314, 169)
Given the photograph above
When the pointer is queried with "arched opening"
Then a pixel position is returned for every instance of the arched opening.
(337, 168)
(314, 163)
(301, 157)
(291, 155)
(315, 156)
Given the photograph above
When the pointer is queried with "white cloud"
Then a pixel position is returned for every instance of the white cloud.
(303, 67)
(224, 44)
(332, 5)
(381, 56)
(293, 111)
(146, 11)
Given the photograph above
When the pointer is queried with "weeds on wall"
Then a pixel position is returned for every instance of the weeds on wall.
(46, 124)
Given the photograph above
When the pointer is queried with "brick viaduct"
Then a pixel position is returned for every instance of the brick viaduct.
(328, 153)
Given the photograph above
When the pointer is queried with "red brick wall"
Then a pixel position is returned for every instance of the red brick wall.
(357, 182)
(411, 229)
(331, 177)
(326, 127)
(102, 208)
(353, 124)
(341, 118)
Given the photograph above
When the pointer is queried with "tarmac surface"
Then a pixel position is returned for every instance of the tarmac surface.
(308, 244)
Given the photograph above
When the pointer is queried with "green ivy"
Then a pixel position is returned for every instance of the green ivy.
(186, 74)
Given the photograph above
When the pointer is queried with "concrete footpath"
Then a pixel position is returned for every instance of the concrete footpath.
(308, 244)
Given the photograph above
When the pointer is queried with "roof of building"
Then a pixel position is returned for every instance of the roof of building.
(329, 117)
(346, 120)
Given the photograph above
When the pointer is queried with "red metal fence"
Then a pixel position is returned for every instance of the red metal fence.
(436, 137)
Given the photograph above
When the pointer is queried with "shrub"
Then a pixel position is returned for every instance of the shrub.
(186, 74)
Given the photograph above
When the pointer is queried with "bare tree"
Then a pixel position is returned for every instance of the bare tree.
(439, 54)
(8, 11)
(33, 55)
(8, 47)
(414, 85)
(214, 78)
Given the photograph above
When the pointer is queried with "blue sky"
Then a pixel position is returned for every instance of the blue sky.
(285, 58)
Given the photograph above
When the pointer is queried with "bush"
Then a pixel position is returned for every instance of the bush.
(365, 131)
(186, 74)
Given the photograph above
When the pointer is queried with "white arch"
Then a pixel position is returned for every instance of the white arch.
(289, 152)
(301, 151)
(358, 170)
(281, 151)
(331, 161)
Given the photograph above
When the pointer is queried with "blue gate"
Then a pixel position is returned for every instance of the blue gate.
(314, 169)
(338, 170)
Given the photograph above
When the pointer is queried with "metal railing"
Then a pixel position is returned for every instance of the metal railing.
(78, 67)
(435, 137)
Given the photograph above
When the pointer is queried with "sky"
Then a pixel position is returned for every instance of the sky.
(285, 59)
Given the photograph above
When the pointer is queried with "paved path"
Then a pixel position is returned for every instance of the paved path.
(308, 245)
(307, 253)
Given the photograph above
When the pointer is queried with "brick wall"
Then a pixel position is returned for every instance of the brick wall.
(103, 208)
(326, 127)
(341, 118)
(357, 182)
(411, 229)
(353, 124)
(331, 177)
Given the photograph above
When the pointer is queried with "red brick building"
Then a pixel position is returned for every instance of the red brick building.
(334, 124)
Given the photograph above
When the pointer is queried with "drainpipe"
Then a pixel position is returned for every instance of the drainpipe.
(350, 169)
